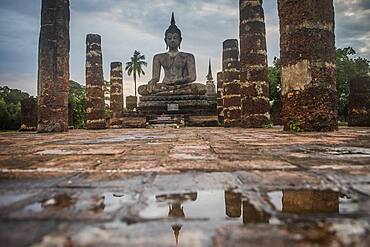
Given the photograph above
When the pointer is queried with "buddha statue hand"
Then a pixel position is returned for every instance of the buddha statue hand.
(152, 82)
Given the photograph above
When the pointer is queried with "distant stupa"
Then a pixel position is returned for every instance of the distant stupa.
(210, 83)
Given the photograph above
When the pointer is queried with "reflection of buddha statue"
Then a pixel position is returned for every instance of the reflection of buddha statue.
(179, 69)
(176, 210)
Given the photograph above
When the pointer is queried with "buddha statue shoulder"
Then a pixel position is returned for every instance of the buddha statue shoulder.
(179, 68)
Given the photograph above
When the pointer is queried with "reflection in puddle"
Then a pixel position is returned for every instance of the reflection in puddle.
(219, 207)
(107, 203)
(57, 202)
(8, 199)
(233, 204)
(311, 202)
(251, 215)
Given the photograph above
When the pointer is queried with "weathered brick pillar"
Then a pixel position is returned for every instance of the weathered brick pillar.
(53, 71)
(254, 87)
(307, 49)
(116, 94)
(252, 215)
(95, 103)
(220, 101)
(231, 83)
(29, 114)
(359, 102)
(233, 204)
(310, 201)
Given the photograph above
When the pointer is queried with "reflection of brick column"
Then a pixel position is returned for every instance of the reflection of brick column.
(359, 102)
(252, 215)
(220, 102)
(310, 201)
(307, 48)
(231, 83)
(95, 103)
(255, 112)
(53, 74)
(233, 204)
(116, 94)
(29, 114)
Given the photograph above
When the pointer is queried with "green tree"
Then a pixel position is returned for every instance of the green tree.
(13, 95)
(348, 68)
(135, 66)
(77, 101)
(274, 77)
(4, 114)
(10, 107)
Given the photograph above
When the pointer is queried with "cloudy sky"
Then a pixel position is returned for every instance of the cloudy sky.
(127, 25)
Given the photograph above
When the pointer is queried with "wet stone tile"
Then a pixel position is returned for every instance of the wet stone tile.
(191, 186)
(74, 205)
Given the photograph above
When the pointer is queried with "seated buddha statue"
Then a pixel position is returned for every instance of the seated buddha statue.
(179, 69)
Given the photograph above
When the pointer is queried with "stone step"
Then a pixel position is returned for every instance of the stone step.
(167, 119)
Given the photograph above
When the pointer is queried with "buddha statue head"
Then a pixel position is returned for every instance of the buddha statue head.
(173, 35)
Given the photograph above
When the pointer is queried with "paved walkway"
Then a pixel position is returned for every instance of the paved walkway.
(193, 186)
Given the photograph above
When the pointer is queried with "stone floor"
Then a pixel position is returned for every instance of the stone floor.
(186, 187)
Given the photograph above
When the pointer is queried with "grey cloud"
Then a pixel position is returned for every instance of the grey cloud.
(127, 25)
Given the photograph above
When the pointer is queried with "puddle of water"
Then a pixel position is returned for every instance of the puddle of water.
(352, 151)
(9, 199)
(107, 202)
(58, 202)
(216, 206)
(311, 202)
(347, 205)
(340, 152)
(34, 208)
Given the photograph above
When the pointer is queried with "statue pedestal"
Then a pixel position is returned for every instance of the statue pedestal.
(176, 104)
(183, 107)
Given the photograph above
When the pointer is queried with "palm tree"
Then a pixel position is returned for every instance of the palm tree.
(135, 66)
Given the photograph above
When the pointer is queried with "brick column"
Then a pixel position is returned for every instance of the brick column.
(53, 67)
(307, 49)
(95, 103)
(231, 83)
(116, 94)
(359, 102)
(255, 106)
(233, 204)
(310, 201)
(220, 102)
